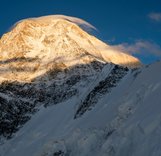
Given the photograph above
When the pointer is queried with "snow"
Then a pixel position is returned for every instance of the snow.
(125, 122)
(53, 39)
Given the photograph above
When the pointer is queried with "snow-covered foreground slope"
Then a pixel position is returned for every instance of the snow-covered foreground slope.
(126, 121)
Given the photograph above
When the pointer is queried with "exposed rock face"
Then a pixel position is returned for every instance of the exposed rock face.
(19, 101)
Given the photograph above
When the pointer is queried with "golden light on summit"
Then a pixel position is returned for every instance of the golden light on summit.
(36, 45)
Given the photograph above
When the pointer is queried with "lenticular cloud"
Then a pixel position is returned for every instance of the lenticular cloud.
(82, 23)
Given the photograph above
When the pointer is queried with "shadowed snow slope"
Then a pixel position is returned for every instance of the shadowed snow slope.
(126, 121)
(37, 44)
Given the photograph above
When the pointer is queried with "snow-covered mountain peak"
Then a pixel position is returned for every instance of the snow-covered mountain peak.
(37, 44)
(60, 96)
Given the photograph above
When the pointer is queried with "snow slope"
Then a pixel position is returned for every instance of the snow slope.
(125, 121)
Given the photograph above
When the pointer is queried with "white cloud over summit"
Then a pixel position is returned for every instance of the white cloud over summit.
(78, 21)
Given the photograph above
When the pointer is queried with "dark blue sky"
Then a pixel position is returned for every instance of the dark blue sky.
(124, 22)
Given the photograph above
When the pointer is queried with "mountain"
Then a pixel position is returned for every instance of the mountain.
(35, 46)
(63, 92)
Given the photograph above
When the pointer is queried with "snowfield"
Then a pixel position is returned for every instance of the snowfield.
(126, 121)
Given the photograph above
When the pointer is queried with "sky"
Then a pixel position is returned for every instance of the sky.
(133, 26)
